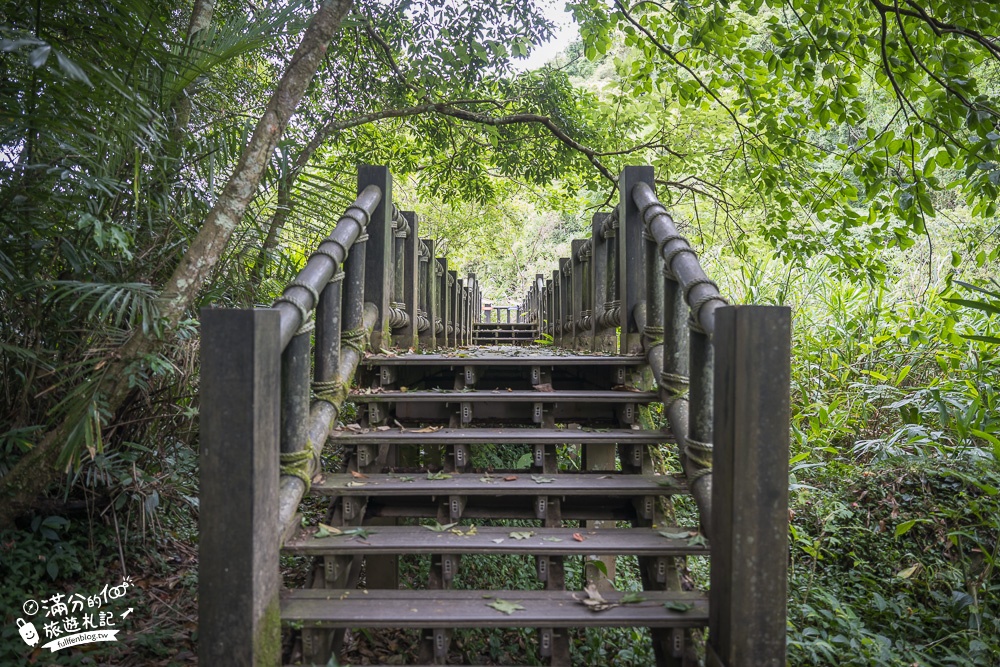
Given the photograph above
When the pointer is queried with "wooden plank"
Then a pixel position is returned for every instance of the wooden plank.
(520, 358)
(472, 484)
(503, 396)
(543, 542)
(523, 436)
(336, 608)
(750, 484)
(239, 579)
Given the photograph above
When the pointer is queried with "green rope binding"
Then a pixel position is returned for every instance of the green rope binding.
(298, 464)
(700, 454)
(327, 390)
(355, 339)
(653, 335)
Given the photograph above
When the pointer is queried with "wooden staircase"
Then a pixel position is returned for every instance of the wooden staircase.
(420, 471)
(376, 319)
(504, 333)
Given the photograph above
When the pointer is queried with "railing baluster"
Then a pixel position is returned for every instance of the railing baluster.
(432, 295)
(576, 284)
(631, 267)
(380, 268)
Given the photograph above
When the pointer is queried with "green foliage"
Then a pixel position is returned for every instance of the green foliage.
(848, 124)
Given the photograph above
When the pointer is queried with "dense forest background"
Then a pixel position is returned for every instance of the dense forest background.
(840, 157)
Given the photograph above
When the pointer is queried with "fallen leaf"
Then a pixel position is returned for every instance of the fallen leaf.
(632, 597)
(355, 484)
(509, 389)
(578, 537)
(552, 539)
(489, 479)
(594, 600)
(353, 427)
(361, 533)
(504, 606)
(521, 534)
(428, 429)
(439, 528)
(326, 531)
(546, 387)
(402, 429)
(675, 536)
(440, 474)
(405, 478)
(358, 475)
(538, 479)
(674, 605)
(697, 541)
(382, 428)
(498, 540)
(510, 478)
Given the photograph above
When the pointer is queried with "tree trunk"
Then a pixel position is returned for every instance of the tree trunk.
(38, 469)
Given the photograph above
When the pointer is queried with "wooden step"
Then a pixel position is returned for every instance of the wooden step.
(498, 540)
(483, 484)
(522, 357)
(337, 608)
(480, 436)
(504, 396)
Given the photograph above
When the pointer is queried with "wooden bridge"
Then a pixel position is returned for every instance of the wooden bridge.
(375, 317)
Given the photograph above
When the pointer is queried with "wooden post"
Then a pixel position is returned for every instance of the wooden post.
(455, 297)
(407, 337)
(379, 265)
(557, 315)
(576, 290)
(426, 277)
(749, 534)
(598, 284)
(432, 294)
(238, 580)
(631, 256)
(445, 301)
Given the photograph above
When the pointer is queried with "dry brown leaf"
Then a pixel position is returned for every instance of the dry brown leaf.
(382, 428)
(547, 387)
(358, 475)
(578, 537)
(428, 429)
(510, 478)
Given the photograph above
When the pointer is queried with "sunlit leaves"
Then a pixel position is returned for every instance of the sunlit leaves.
(839, 113)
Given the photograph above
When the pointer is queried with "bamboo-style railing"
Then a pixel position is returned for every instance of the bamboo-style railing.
(637, 287)
(372, 282)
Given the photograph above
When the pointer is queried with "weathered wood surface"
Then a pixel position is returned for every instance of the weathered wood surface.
(504, 396)
(543, 542)
(472, 484)
(520, 357)
(468, 609)
(750, 489)
(485, 435)
(238, 580)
